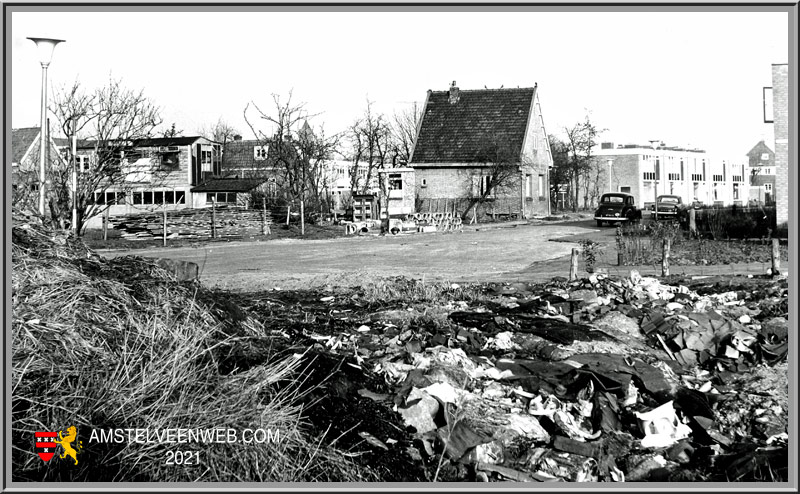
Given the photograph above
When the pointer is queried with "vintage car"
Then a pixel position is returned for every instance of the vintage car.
(668, 206)
(616, 207)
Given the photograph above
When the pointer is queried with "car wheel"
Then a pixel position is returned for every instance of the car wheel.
(599, 222)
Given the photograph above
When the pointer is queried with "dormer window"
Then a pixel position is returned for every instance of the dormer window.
(260, 153)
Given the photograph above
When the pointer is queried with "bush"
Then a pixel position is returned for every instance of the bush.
(732, 222)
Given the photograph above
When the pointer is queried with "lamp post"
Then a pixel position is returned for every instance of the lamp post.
(654, 144)
(45, 47)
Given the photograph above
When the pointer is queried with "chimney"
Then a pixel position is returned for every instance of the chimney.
(237, 137)
(453, 94)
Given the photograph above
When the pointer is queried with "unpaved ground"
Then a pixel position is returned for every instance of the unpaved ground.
(485, 254)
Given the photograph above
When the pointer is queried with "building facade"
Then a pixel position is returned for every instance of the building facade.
(486, 149)
(761, 160)
(157, 173)
(648, 171)
(780, 108)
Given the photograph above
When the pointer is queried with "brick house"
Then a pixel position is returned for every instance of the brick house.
(762, 173)
(452, 157)
(25, 165)
(693, 174)
(780, 108)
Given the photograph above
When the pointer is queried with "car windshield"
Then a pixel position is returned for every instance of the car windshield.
(669, 199)
(613, 199)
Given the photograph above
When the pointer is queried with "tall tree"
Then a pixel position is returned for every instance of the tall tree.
(371, 147)
(560, 174)
(581, 139)
(298, 154)
(108, 119)
(404, 132)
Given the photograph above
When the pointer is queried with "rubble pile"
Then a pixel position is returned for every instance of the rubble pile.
(601, 379)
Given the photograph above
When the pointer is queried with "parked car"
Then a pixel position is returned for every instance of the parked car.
(668, 206)
(616, 207)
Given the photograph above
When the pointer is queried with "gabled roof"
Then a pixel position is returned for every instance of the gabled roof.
(229, 185)
(239, 155)
(760, 148)
(21, 141)
(460, 131)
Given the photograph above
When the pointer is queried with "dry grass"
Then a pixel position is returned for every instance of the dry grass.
(120, 344)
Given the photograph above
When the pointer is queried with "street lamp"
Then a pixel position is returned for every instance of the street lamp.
(45, 47)
(654, 144)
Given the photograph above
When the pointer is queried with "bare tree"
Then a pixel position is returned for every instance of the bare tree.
(499, 174)
(220, 132)
(109, 120)
(297, 153)
(581, 140)
(173, 131)
(560, 175)
(404, 132)
(371, 142)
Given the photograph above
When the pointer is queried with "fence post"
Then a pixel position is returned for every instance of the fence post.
(692, 222)
(264, 226)
(214, 217)
(165, 224)
(573, 265)
(776, 257)
(665, 258)
(288, 212)
(105, 225)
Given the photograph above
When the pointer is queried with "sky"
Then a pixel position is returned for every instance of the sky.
(687, 78)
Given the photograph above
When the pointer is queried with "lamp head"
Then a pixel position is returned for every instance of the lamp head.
(45, 47)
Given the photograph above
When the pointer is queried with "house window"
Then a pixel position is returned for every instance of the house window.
(528, 185)
(735, 192)
(541, 188)
(147, 197)
(206, 161)
(395, 181)
(486, 185)
(81, 161)
(767, 187)
(260, 153)
(180, 197)
(717, 178)
(169, 197)
(649, 175)
(697, 177)
(221, 197)
(170, 160)
(764, 156)
(137, 198)
(627, 190)
(424, 182)
(737, 178)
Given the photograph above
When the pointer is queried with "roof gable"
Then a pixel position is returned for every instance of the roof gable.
(461, 131)
(21, 141)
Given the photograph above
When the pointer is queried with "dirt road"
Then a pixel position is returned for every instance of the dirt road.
(483, 255)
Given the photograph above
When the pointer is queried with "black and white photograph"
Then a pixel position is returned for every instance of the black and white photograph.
(264, 246)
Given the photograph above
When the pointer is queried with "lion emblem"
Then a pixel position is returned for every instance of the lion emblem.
(66, 443)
